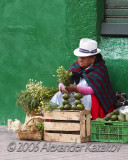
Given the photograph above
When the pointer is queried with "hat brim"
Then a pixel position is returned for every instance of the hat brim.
(81, 54)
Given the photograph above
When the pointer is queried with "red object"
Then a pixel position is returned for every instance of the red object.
(97, 110)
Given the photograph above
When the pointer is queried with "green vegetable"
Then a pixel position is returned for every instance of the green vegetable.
(51, 106)
(114, 117)
(40, 126)
(99, 119)
(126, 116)
(116, 112)
(77, 102)
(61, 107)
(78, 96)
(65, 96)
(108, 117)
(122, 117)
(80, 107)
(67, 107)
(65, 102)
(74, 107)
(111, 114)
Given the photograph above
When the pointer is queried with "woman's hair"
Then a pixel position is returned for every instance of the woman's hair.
(98, 58)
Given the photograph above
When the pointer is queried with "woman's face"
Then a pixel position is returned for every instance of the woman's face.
(85, 62)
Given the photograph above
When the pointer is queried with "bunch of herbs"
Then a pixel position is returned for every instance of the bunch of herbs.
(35, 96)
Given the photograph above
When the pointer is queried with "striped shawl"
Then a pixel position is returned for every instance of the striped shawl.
(97, 77)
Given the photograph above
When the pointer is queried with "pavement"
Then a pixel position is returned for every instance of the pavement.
(11, 148)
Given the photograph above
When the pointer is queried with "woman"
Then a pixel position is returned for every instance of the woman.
(90, 78)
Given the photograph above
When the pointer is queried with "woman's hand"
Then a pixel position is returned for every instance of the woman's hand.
(71, 88)
(63, 89)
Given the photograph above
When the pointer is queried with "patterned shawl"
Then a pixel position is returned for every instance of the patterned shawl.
(97, 77)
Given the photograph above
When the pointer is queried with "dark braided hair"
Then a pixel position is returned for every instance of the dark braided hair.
(98, 58)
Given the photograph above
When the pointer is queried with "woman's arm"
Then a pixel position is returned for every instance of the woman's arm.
(85, 90)
(80, 89)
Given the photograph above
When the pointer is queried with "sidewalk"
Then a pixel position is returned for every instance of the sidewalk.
(11, 148)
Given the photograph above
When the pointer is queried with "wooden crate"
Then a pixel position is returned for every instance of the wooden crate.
(67, 126)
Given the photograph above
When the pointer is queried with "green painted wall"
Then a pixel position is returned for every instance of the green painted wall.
(37, 36)
(115, 52)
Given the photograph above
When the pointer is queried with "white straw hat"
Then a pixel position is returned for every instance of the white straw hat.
(87, 47)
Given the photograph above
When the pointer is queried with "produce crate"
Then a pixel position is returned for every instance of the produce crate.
(109, 131)
(67, 126)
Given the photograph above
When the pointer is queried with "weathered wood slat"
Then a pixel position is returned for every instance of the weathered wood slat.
(88, 126)
(116, 20)
(116, 12)
(60, 115)
(82, 125)
(116, 3)
(61, 126)
(56, 137)
(114, 29)
(87, 112)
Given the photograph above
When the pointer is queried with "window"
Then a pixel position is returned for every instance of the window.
(115, 18)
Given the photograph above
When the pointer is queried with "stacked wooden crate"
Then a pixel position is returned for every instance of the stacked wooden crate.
(67, 126)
